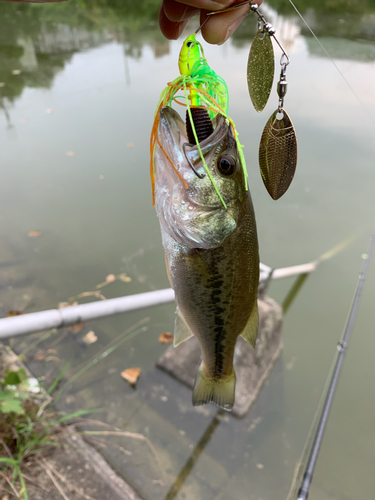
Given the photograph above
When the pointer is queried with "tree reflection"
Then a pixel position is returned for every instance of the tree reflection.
(36, 41)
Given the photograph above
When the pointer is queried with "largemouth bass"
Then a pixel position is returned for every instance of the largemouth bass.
(211, 252)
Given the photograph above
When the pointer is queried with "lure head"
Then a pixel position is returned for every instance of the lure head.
(189, 55)
(195, 217)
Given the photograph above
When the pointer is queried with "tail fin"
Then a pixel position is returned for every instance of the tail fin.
(218, 390)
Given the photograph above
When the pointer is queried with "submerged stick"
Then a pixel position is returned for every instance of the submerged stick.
(198, 450)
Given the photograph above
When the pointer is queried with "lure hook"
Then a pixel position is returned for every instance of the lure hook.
(201, 176)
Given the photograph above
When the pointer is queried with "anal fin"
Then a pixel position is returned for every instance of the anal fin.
(181, 330)
(250, 332)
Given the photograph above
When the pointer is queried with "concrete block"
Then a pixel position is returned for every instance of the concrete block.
(253, 366)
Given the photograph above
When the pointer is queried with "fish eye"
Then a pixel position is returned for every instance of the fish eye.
(226, 164)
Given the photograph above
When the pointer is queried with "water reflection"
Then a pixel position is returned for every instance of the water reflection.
(36, 42)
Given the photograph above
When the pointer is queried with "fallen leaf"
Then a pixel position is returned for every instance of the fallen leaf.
(90, 338)
(101, 177)
(70, 153)
(165, 338)
(53, 358)
(77, 327)
(91, 294)
(16, 72)
(131, 375)
(49, 111)
(67, 304)
(63, 304)
(34, 234)
(14, 312)
(124, 277)
(109, 279)
(130, 145)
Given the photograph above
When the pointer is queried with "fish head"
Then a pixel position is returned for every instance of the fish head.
(193, 214)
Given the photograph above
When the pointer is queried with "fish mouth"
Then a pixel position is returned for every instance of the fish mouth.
(174, 133)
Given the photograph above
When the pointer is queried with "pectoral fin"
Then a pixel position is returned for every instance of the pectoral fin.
(250, 332)
(181, 330)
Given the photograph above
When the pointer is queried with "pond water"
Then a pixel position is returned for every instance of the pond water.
(78, 88)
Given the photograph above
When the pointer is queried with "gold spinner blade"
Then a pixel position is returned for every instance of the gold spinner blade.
(260, 70)
(278, 154)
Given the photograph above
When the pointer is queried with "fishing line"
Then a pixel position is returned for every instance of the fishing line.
(330, 58)
(334, 378)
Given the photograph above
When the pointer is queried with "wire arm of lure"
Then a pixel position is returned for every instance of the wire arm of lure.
(267, 26)
(209, 14)
(229, 8)
(271, 31)
(201, 26)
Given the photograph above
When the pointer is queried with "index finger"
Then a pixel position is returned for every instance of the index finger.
(209, 5)
(221, 26)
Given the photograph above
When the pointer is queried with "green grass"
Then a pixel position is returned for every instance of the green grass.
(29, 429)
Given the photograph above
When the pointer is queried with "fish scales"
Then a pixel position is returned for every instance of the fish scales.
(211, 253)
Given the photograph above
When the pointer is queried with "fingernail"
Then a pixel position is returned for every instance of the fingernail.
(232, 28)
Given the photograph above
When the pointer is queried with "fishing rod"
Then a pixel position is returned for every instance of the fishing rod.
(342, 346)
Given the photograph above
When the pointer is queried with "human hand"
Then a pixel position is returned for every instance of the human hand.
(174, 15)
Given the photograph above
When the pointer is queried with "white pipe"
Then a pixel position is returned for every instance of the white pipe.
(285, 272)
(57, 318)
